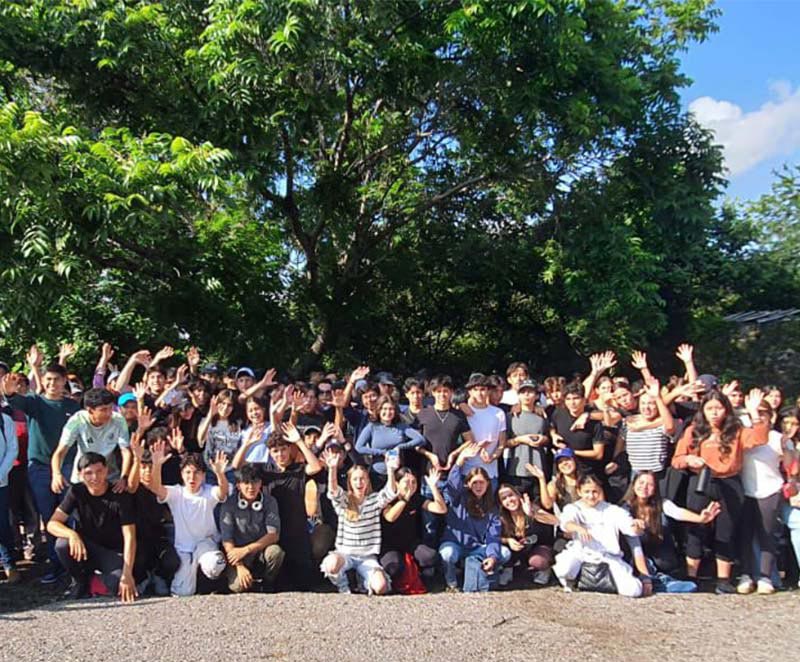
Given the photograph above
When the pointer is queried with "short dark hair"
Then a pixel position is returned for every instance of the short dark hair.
(58, 369)
(495, 381)
(442, 381)
(193, 460)
(98, 397)
(276, 439)
(575, 388)
(411, 382)
(200, 385)
(156, 434)
(517, 365)
(89, 459)
(248, 473)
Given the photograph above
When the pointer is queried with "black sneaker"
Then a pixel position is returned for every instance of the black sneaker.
(78, 589)
(724, 587)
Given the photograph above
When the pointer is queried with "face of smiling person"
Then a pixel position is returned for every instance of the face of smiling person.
(95, 477)
(591, 494)
(509, 500)
(644, 487)
(386, 413)
(359, 481)
(255, 413)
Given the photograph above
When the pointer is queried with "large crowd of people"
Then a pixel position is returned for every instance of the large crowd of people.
(202, 479)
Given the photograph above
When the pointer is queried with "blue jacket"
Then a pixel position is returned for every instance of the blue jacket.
(464, 529)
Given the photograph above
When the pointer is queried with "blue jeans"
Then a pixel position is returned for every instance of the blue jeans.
(432, 524)
(451, 553)
(6, 534)
(39, 479)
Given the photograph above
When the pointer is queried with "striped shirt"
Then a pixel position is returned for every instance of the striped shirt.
(647, 449)
(360, 537)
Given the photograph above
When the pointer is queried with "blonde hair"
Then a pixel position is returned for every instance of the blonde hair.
(353, 509)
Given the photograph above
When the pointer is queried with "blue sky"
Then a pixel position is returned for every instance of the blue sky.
(747, 89)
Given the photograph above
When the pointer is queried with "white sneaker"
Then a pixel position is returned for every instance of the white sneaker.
(745, 585)
(765, 587)
(506, 576)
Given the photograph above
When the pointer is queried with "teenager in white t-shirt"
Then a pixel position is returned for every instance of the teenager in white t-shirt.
(192, 507)
(488, 426)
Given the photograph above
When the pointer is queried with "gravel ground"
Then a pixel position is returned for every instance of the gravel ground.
(534, 624)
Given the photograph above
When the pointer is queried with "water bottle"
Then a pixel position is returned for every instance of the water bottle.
(703, 480)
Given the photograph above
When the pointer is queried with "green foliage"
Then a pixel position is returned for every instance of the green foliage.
(400, 181)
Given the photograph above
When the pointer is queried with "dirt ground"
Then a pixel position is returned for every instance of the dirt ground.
(520, 624)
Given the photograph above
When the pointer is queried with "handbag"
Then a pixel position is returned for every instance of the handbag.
(596, 578)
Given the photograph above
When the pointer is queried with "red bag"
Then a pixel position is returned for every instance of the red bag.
(409, 582)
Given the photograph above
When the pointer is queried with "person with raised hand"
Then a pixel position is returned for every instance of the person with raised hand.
(358, 537)
(105, 537)
(47, 414)
(472, 526)
(600, 363)
(192, 506)
(712, 448)
(402, 523)
(221, 429)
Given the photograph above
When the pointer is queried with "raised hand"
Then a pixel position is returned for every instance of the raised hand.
(328, 432)
(534, 471)
(297, 399)
(145, 418)
(158, 452)
(65, 351)
(193, 357)
(213, 405)
(269, 378)
(106, 353)
(359, 373)
(219, 463)
(730, 387)
(685, 352)
(527, 506)
(471, 450)
(34, 357)
(653, 388)
(330, 459)
(142, 357)
(639, 360)
(140, 390)
(291, 433)
(752, 401)
(182, 374)
(432, 477)
(176, 440)
(163, 353)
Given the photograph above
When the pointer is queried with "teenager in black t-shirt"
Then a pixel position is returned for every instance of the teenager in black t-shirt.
(105, 537)
(574, 428)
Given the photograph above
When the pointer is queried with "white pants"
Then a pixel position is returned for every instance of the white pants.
(207, 557)
(568, 565)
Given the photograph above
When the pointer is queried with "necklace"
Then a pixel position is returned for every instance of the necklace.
(442, 419)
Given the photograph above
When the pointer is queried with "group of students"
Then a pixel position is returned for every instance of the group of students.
(198, 479)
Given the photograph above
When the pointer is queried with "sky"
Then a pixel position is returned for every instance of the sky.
(747, 90)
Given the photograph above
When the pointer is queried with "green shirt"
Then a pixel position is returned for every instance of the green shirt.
(46, 420)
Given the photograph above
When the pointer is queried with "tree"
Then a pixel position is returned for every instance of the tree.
(358, 125)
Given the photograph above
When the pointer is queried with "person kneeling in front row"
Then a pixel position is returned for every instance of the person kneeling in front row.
(250, 527)
(192, 506)
(105, 539)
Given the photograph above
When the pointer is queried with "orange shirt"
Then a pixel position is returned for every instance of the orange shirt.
(721, 467)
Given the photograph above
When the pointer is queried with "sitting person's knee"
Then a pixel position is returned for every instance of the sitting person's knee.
(377, 582)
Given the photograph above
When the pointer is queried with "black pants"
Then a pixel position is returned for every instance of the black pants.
(158, 557)
(760, 522)
(393, 561)
(108, 561)
(730, 495)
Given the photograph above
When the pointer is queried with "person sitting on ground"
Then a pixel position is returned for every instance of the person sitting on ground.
(401, 531)
(472, 526)
(596, 526)
(105, 539)
(358, 537)
(250, 527)
(192, 507)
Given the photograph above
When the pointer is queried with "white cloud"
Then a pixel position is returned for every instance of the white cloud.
(750, 138)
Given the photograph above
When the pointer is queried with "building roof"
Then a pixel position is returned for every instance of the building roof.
(764, 316)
